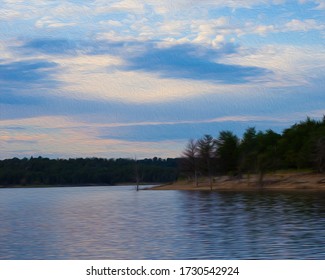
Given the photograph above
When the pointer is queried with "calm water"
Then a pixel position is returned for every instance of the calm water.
(120, 223)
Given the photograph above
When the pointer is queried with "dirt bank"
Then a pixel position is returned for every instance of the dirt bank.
(275, 181)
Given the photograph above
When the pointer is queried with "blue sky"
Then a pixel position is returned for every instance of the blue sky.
(139, 78)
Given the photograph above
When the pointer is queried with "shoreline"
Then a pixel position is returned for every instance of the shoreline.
(49, 186)
(271, 182)
(76, 186)
(281, 181)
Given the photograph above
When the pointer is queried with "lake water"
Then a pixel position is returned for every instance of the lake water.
(120, 223)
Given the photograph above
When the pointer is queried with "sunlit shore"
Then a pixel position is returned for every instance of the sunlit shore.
(276, 181)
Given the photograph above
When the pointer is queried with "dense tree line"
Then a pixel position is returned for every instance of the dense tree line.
(80, 171)
(302, 146)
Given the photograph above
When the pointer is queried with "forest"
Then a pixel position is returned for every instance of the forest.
(299, 147)
(83, 171)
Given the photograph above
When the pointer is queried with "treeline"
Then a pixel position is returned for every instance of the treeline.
(82, 171)
(302, 146)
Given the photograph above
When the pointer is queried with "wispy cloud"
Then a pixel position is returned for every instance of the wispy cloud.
(51, 46)
(105, 78)
(303, 25)
(6, 14)
(193, 62)
(52, 23)
(69, 139)
(29, 73)
(56, 136)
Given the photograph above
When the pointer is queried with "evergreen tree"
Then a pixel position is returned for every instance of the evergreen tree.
(206, 150)
(227, 151)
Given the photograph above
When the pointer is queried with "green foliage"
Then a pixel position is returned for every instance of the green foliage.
(227, 152)
(248, 151)
(267, 150)
(206, 151)
(298, 143)
(301, 146)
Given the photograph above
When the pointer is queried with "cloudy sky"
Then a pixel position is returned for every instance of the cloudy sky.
(125, 78)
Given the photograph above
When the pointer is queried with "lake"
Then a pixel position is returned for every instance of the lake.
(121, 223)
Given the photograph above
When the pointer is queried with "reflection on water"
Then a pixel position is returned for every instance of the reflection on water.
(120, 223)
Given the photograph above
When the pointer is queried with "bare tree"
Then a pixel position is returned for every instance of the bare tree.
(190, 156)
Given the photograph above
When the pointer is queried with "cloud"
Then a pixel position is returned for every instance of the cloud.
(294, 25)
(172, 21)
(26, 72)
(127, 6)
(168, 7)
(129, 86)
(9, 97)
(89, 76)
(135, 72)
(263, 29)
(74, 48)
(291, 66)
(6, 14)
(110, 22)
(303, 25)
(88, 71)
(61, 137)
(51, 46)
(319, 4)
(116, 70)
(192, 62)
(21, 74)
(49, 22)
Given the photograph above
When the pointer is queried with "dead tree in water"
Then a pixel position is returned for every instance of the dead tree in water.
(136, 170)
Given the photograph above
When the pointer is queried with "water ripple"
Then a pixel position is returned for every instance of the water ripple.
(120, 223)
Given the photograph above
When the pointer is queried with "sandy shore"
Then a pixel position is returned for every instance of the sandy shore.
(277, 181)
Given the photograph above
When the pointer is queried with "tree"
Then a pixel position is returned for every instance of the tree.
(320, 154)
(137, 173)
(190, 159)
(297, 144)
(227, 151)
(206, 150)
(267, 154)
(40, 171)
(248, 151)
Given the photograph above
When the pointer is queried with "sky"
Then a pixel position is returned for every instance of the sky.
(127, 78)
